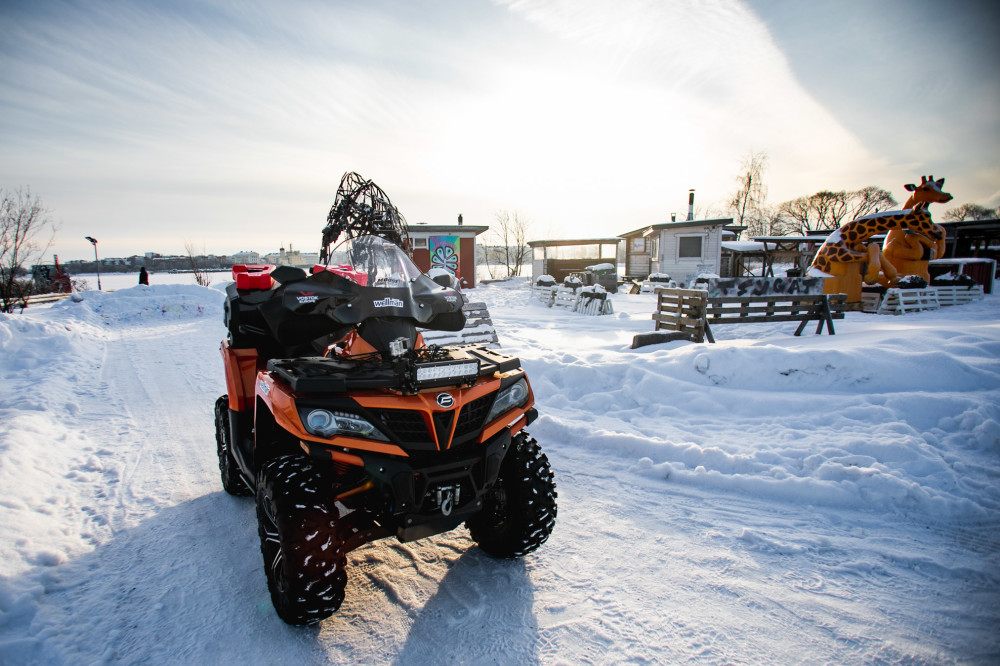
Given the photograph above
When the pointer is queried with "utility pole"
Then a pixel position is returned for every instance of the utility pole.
(96, 260)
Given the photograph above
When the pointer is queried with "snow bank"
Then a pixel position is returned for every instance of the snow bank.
(54, 475)
(884, 416)
(148, 303)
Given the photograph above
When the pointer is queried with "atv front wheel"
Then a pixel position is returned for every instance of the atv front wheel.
(232, 482)
(303, 552)
(519, 513)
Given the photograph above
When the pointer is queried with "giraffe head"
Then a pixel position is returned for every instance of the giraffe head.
(928, 191)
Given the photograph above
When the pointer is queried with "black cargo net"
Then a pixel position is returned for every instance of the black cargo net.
(362, 208)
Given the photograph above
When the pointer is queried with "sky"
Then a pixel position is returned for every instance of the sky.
(229, 125)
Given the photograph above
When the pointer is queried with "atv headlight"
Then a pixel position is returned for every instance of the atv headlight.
(324, 423)
(514, 395)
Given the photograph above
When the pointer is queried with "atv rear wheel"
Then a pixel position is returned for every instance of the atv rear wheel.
(232, 482)
(519, 513)
(303, 551)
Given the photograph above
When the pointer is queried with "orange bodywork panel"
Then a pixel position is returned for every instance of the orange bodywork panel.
(281, 402)
(241, 370)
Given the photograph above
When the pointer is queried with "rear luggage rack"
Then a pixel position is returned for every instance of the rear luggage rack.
(332, 374)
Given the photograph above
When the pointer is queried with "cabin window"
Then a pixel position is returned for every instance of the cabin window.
(689, 247)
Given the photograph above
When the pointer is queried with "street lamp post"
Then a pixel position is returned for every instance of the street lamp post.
(97, 262)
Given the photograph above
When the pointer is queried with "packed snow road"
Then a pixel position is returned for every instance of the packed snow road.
(767, 499)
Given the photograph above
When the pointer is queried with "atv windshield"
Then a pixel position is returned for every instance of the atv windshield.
(366, 278)
(370, 261)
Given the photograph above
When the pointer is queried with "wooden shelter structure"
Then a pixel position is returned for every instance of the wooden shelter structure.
(972, 238)
(796, 250)
(559, 258)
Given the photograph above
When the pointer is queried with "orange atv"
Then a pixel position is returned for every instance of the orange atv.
(348, 429)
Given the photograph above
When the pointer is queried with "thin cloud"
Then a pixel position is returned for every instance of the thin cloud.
(231, 126)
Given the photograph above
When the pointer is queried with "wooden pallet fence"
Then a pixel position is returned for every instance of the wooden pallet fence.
(593, 302)
(900, 301)
(693, 311)
(959, 295)
(681, 310)
(565, 297)
(543, 293)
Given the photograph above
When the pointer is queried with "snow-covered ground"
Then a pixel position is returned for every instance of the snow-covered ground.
(767, 499)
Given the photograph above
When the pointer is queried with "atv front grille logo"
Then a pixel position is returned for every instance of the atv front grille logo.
(388, 303)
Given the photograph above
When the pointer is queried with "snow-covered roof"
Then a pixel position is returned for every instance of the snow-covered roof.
(963, 260)
(743, 246)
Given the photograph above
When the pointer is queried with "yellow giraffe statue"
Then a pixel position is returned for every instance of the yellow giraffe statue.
(908, 251)
(847, 251)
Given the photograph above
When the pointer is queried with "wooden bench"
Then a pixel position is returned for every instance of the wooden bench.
(693, 312)
(479, 329)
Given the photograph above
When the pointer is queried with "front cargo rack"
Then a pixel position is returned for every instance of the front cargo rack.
(416, 370)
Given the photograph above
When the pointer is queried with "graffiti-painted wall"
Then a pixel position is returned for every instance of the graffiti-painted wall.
(755, 286)
(448, 246)
(445, 253)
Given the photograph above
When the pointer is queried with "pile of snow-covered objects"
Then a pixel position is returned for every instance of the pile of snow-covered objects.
(572, 295)
(655, 280)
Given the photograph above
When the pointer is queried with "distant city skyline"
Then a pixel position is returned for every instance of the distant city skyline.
(155, 124)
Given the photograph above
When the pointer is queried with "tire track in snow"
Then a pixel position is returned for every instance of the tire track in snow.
(178, 552)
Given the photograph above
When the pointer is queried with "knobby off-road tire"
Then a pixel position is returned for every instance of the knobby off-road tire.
(303, 551)
(519, 514)
(232, 482)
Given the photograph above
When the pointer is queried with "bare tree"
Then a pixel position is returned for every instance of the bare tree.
(507, 243)
(799, 213)
(748, 202)
(830, 208)
(25, 234)
(201, 276)
(868, 200)
(772, 221)
(827, 210)
(971, 211)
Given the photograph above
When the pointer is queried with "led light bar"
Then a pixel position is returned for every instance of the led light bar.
(445, 372)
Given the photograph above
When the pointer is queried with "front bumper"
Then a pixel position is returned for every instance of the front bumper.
(416, 497)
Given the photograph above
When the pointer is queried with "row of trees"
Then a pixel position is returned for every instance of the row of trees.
(506, 251)
(971, 211)
(823, 211)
